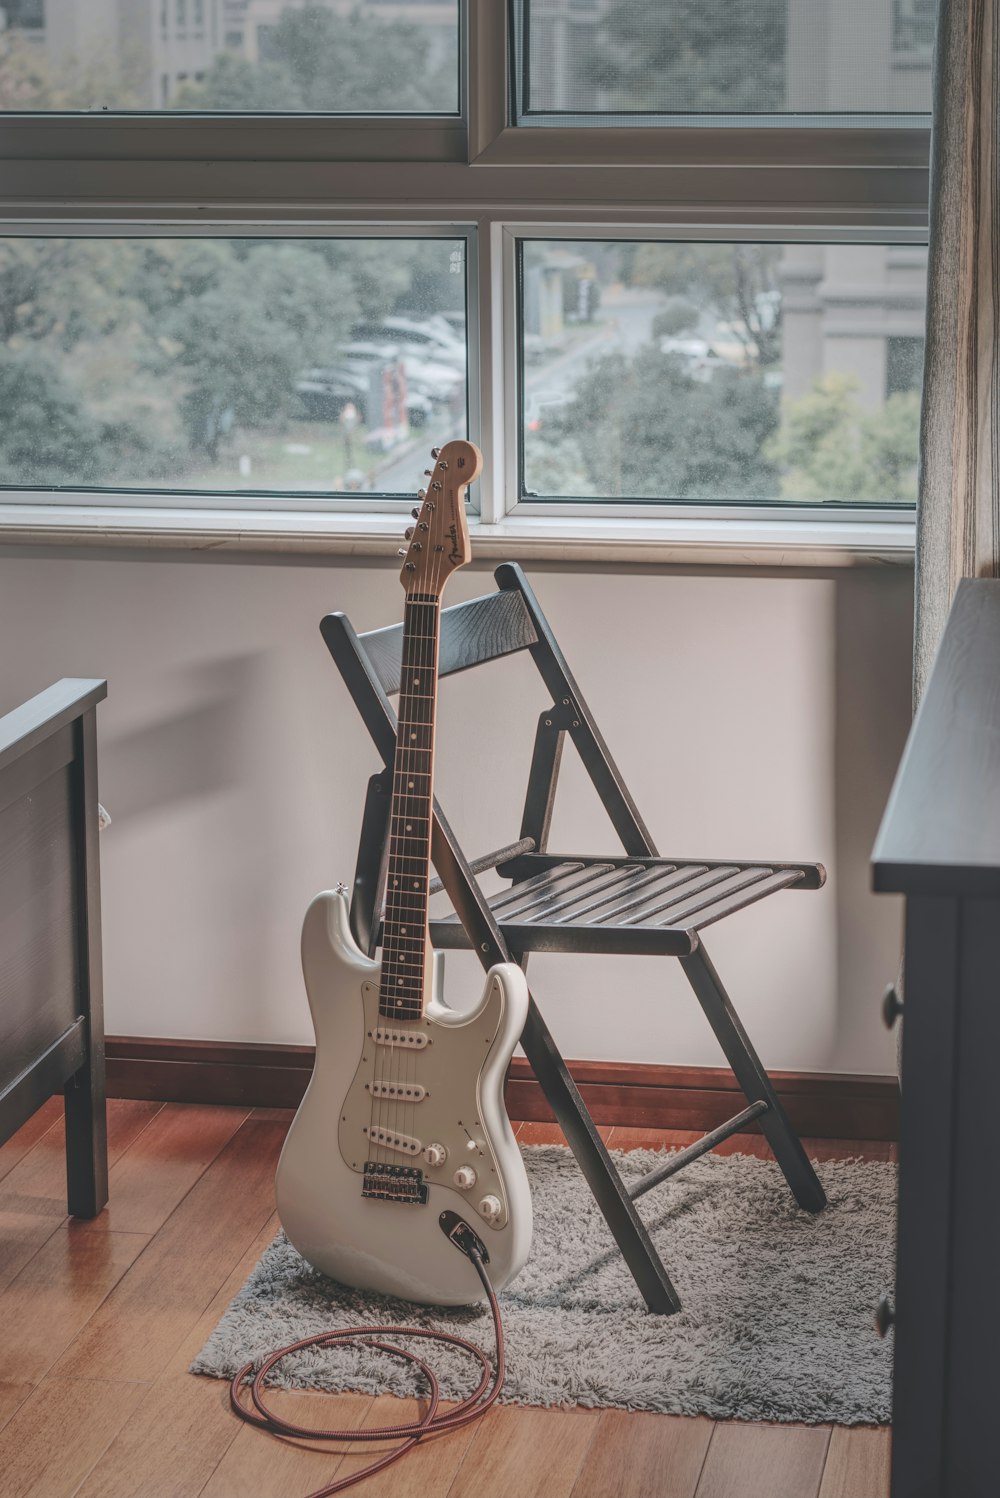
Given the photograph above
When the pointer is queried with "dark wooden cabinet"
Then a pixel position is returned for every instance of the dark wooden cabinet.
(51, 1007)
(939, 845)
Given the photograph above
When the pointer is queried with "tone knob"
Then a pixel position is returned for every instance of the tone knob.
(435, 1154)
(465, 1178)
(491, 1208)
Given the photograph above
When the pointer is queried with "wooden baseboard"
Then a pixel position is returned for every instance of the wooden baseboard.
(820, 1105)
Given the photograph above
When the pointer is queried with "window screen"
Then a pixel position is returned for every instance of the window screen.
(613, 60)
(282, 366)
(721, 371)
(230, 56)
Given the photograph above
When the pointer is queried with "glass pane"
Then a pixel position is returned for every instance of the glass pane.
(708, 57)
(259, 56)
(307, 366)
(728, 372)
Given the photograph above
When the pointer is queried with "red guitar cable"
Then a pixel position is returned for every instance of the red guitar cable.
(431, 1422)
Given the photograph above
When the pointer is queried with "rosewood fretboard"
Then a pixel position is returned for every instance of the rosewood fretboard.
(405, 942)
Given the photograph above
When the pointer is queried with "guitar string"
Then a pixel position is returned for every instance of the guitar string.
(435, 649)
(422, 688)
(421, 657)
(418, 667)
(395, 959)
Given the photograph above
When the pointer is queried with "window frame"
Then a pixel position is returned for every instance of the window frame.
(482, 176)
(496, 138)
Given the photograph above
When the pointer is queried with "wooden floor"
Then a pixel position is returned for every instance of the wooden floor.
(98, 1322)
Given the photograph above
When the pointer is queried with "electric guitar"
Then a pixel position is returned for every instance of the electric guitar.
(402, 1135)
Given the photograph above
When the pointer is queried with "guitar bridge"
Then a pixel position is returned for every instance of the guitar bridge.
(394, 1183)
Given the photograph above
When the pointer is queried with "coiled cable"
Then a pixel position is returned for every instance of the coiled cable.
(431, 1423)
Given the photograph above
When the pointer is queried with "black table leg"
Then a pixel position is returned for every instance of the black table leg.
(86, 1107)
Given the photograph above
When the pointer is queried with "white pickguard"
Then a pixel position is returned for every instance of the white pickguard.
(399, 1247)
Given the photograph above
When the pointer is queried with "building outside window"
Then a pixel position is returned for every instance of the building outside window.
(22, 15)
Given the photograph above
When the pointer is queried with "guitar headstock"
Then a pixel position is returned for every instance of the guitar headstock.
(439, 539)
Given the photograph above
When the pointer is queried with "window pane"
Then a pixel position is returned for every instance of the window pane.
(746, 57)
(728, 372)
(284, 56)
(308, 366)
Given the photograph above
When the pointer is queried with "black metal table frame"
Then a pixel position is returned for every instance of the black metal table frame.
(51, 996)
(472, 633)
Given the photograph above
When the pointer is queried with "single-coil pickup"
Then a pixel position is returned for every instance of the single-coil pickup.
(404, 1143)
(414, 1039)
(400, 1092)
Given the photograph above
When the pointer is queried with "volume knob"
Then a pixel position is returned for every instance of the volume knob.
(435, 1154)
(491, 1208)
(465, 1178)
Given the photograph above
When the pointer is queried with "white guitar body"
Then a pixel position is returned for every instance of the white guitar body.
(392, 1096)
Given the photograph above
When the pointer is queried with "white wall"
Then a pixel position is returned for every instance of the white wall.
(753, 716)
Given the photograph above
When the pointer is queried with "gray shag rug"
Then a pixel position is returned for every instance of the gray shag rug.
(777, 1310)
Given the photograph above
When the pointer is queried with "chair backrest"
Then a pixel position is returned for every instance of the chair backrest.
(473, 633)
(483, 629)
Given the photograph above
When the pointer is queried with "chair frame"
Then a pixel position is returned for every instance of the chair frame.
(473, 633)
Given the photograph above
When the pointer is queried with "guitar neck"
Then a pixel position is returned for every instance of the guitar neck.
(405, 941)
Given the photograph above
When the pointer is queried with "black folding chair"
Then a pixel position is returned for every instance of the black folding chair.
(636, 904)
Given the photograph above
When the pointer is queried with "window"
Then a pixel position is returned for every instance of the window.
(765, 60)
(229, 365)
(23, 15)
(315, 56)
(719, 371)
(664, 261)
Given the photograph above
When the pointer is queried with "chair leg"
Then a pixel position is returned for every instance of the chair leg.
(607, 1185)
(754, 1080)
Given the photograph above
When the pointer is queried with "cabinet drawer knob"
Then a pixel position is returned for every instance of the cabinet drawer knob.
(885, 1316)
(892, 1006)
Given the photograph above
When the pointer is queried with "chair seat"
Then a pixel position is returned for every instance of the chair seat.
(625, 905)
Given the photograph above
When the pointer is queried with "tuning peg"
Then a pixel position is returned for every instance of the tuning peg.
(415, 513)
(435, 452)
(408, 533)
(401, 552)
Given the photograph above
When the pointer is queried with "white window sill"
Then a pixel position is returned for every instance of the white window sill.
(739, 540)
